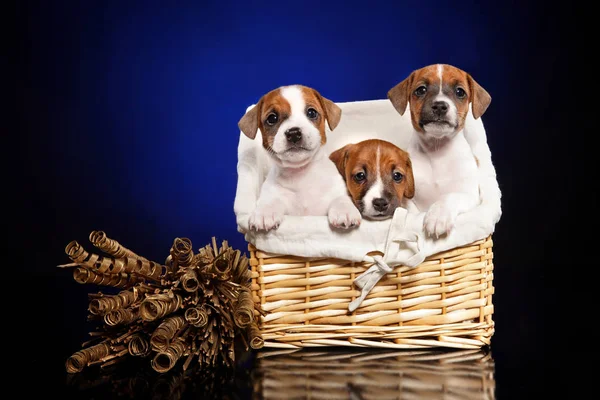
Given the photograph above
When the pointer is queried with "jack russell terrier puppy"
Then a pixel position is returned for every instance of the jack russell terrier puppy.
(302, 180)
(445, 170)
(378, 176)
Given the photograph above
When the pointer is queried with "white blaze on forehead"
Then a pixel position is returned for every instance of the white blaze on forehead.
(377, 159)
(452, 110)
(440, 70)
(376, 190)
(294, 96)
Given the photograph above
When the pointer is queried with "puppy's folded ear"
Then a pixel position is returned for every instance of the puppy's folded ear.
(481, 98)
(339, 158)
(249, 122)
(400, 94)
(333, 113)
(409, 190)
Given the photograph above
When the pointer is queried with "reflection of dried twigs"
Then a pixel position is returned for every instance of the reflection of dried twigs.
(138, 380)
(192, 307)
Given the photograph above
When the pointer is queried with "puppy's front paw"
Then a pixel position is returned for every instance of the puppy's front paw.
(264, 220)
(439, 220)
(344, 215)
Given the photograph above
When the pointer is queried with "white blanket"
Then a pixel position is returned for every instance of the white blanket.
(401, 239)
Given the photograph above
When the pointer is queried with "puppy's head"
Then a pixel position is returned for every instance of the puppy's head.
(378, 176)
(439, 97)
(292, 122)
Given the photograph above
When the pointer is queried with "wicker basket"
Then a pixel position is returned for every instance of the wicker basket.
(446, 301)
(375, 374)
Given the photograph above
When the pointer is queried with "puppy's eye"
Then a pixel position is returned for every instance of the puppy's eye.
(397, 176)
(360, 176)
(272, 119)
(460, 93)
(421, 90)
(311, 113)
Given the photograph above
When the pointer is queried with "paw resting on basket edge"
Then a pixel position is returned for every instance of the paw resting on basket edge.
(343, 214)
(264, 220)
(439, 220)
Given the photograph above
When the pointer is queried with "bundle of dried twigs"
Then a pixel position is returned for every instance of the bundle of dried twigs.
(193, 306)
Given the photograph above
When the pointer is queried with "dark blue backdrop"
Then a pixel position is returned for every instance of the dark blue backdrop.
(128, 115)
(136, 103)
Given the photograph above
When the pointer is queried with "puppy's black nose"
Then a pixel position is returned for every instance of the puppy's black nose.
(440, 108)
(380, 204)
(293, 135)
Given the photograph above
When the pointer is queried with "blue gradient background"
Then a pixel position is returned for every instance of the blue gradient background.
(128, 111)
(138, 102)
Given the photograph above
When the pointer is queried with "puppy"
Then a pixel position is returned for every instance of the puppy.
(445, 171)
(378, 176)
(302, 180)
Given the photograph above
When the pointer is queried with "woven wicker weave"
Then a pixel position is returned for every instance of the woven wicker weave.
(446, 301)
(375, 374)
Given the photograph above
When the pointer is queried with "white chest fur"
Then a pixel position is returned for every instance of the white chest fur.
(450, 168)
(309, 190)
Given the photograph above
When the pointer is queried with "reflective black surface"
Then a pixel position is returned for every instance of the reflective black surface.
(307, 373)
(310, 373)
(515, 366)
(136, 379)
(375, 374)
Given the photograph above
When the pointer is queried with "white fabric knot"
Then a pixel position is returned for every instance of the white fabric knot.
(368, 279)
(414, 244)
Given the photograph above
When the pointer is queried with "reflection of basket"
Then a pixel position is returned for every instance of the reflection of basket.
(376, 374)
(444, 302)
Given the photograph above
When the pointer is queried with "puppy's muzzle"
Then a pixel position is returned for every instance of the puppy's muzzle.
(439, 108)
(293, 135)
(380, 204)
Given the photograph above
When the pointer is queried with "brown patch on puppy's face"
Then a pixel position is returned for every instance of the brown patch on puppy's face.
(325, 110)
(274, 110)
(378, 176)
(439, 96)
